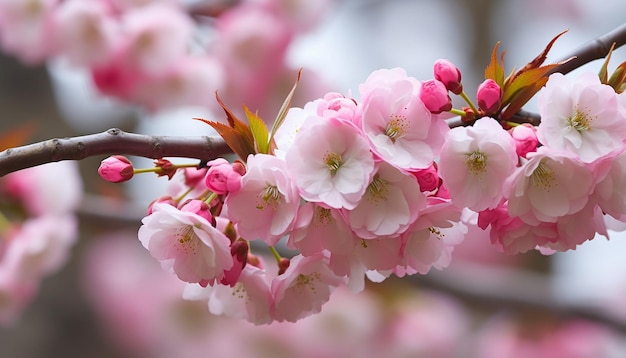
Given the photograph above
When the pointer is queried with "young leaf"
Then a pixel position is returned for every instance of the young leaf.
(603, 74)
(259, 132)
(282, 113)
(235, 141)
(495, 70)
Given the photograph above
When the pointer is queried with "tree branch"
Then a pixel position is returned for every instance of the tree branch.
(112, 141)
(593, 50)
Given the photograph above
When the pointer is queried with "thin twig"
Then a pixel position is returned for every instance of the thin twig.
(112, 141)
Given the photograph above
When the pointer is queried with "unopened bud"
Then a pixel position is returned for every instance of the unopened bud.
(116, 169)
(435, 96)
(199, 208)
(223, 177)
(525, 137)
(450, 75)
(489, 95)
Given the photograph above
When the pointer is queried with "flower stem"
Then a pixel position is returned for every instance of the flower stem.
(468, 101)
(158, 169)
(179, 198)
(276, 254)
(458, 112)
(210, 199)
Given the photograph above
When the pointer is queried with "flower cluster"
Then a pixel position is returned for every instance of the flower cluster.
(381, 185)
(163, 53)
(37, 230)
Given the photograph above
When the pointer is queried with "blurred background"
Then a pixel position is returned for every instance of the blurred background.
(112, 300)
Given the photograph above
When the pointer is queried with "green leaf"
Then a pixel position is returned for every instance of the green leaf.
(282, 113)
(618, 78)
(259, 131)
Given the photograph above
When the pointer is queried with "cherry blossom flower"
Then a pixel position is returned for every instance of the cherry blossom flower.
(303, 288)
(430, 241)
(38, 191)
(542, 189)
(27, 28)
(331, 163)
(86, 32)
(611, 189)
(248, 299)
(318, 228)
(581, 117)
(399, 127)
(41, 246)
(265, 206)
(513, 236)
(391, 203)
(185, 244)
(475, 161)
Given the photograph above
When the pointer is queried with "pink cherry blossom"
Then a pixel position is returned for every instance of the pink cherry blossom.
(86, 31)
(116, 169)
(399, 127)
(248, 299)
(511, 235)
(446, 72)
(318, 228)
(40, 246)
(303, 288)
(27, 28)
(581, 117)
(391, 203)
(488, 96)
(151, 44)
(542, 189)
(222, 177)
(265, 206)
(475, 161)
(430, 241)
(38, 191)
(185, 244)
(331, 162)
(575, 229)
(611, 188)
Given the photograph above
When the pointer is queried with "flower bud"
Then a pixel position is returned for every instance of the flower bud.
(435, 96)
(450, 75)
(223, 177)
(199, 208)
(428, 178)
(116, 169)
(488, 96)
(525, 137)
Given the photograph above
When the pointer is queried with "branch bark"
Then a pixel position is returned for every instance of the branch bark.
(110, 142)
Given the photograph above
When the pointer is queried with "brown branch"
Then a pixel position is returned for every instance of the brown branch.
(112, 141)
(593, 50)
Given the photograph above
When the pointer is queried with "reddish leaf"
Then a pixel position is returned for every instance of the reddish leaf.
(495, 70)
(233, 138)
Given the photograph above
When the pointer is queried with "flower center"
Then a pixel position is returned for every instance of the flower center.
(377, 190)
(186, 239)
(270, 196)
(580, 121)
(543, 176)
(396, 127)
(308, 281)
(436, 232)
(333, 162)
(323, 216)
(476, 162)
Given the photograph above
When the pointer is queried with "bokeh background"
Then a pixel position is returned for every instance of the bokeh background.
(111, 300)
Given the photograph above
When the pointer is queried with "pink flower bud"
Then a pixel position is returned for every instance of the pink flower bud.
(435, 96)
(450, 75)
(525, 137)
(428, 178)
(489, 95)
(199, 208)
(239, 251)
(116, 169)
(223, 177)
